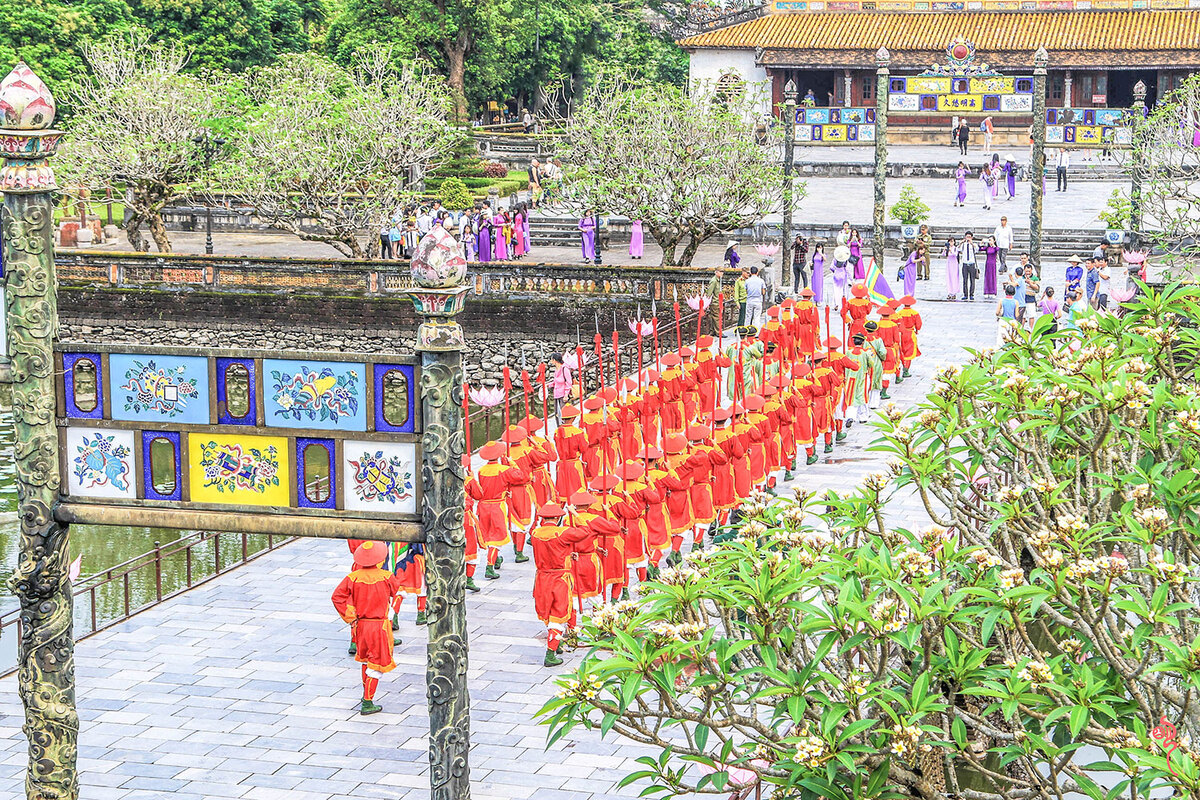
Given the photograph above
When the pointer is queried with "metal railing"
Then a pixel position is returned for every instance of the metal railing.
(197, 568)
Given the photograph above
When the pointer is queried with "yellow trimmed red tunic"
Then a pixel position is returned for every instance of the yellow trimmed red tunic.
(554, 582)
(490, 488)
(365, 599)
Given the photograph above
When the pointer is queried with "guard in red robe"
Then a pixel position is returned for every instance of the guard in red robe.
(856, 308)
(522, 499)
(611, 542)
(888, 332)
(570, 441)
(541, 455)
(909, 322)
(631, 511)
(364, 599)
(589, 553)
(490, 488)
(808, 324)
(678, 485)
(554, 589)
(730, 446)
(701, 464)
(653, 498)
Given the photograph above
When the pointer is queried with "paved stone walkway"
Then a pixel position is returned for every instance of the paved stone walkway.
(242, 688)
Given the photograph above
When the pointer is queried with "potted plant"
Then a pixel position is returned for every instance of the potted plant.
(1117, 216)
(910, 212)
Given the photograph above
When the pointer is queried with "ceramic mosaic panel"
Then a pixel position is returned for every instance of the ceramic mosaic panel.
(323, 395)
(380, 476)
(388, 416)
(158, 388)
(316, 490)
(162, 468)
(245, 396)
(74, 393)
(100, 463)
(243, 470)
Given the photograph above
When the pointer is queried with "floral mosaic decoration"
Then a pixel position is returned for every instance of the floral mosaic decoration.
(102, 462)
(155, 388)
(319, 396)
(230, 467)
(382, 479)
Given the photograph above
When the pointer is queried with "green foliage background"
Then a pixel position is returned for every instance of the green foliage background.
(515, 46)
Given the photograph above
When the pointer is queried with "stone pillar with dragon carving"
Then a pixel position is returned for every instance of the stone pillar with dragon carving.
(438, 270)
(46, 679)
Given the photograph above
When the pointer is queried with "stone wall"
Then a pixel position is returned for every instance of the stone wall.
(516, 328)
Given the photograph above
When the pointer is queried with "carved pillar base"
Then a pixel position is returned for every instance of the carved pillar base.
(440, 342)
(46, 678)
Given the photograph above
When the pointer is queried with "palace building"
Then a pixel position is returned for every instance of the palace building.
(1099, 50)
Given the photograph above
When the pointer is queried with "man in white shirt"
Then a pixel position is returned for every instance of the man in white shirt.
(843, 236)
(1004, 240)
(1061, 161)
(968, 258)
(424, 221)
(756, 291)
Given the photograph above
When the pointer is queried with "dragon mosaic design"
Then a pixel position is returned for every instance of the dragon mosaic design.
(230, 467)
(320, 396)
(101, 462)
(378, 478)
(161, 389)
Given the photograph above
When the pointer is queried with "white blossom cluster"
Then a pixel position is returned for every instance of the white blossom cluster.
(915, 563)
(906, 740)
(890, 612)
(1036, 672)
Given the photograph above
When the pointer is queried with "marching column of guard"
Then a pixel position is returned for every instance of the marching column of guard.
(646, 463)
(656, 459)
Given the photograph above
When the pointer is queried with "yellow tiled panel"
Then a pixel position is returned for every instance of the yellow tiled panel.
(989, 31)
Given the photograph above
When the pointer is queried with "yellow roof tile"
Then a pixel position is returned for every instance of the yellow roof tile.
(990, 31)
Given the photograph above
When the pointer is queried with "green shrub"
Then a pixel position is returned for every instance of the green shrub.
(454, 195)
(909, 210)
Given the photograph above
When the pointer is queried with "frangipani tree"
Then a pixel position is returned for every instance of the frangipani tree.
(690, 165)
(1034, 639)
(1167, 162)
(138, 115)
(330, 154)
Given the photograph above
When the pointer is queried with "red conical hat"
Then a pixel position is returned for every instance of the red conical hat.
(582, 498)
(370, 554)
(603, 483)
(492, 451)
(514, 435)
(630, 471)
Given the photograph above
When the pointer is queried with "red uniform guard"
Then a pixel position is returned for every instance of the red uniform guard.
(363, 599)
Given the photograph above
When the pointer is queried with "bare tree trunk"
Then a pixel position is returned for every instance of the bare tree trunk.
(158, 230)
(456, 59)
(693, 245)
(133, 231)
(668, 246)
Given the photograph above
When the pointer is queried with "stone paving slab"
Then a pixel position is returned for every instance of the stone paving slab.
(173, 706)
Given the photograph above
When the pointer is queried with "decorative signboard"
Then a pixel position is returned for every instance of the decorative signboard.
(960, 86)
(308, 434)
(1089, 127)
(835, 125)
(941, 6)
(958, 94)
